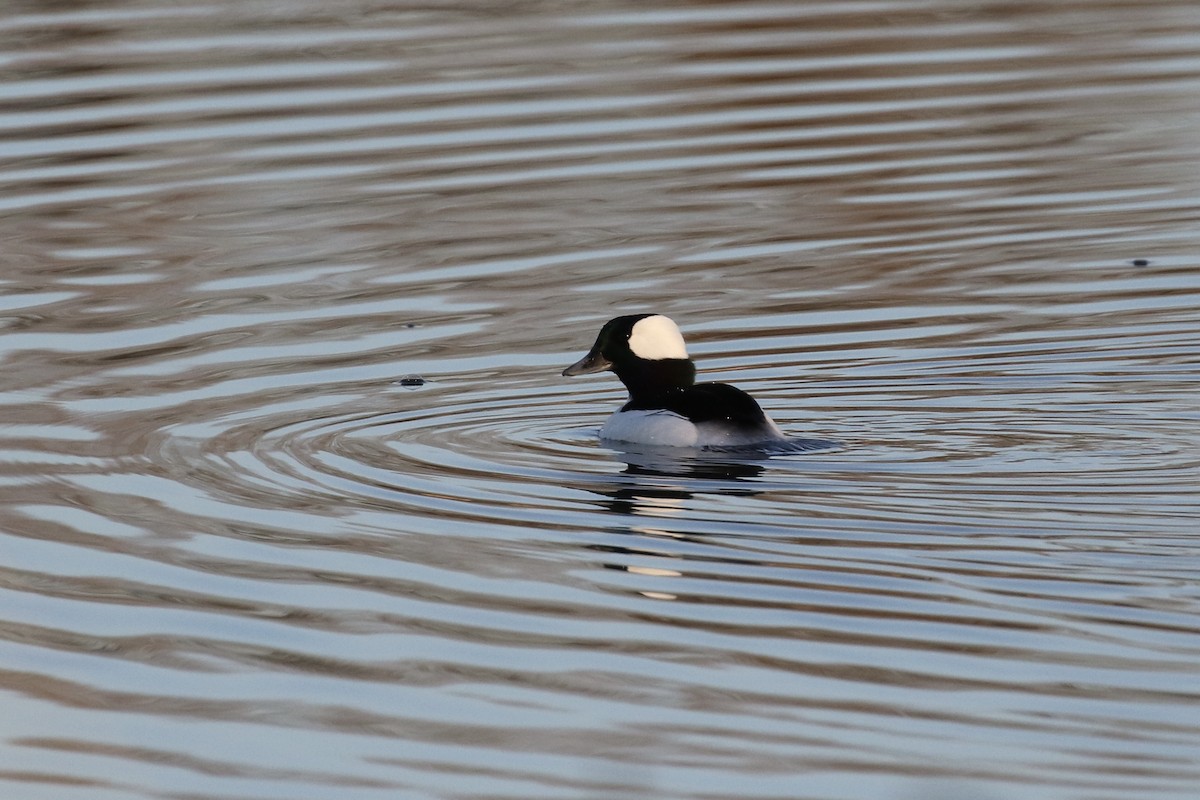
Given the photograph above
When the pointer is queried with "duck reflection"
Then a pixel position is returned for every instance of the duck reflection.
(652, 497)
(657, 480)
(702, 466)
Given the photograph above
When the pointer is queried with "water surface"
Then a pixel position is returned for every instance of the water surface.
(247, 554)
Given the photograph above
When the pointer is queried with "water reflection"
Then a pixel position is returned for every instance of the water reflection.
(238, 537)
(655, 484)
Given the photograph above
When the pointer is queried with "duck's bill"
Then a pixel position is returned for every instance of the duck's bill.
(592, 362)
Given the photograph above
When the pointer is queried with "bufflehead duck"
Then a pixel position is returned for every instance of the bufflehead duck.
(666, 406)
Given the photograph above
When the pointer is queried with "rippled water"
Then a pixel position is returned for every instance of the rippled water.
(245, 553)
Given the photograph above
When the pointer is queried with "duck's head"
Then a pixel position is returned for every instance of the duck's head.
(645, 350)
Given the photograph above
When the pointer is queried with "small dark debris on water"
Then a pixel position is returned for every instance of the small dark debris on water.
(1141, 262)
(411, 380)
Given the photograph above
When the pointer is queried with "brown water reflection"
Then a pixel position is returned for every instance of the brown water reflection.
(241, 559)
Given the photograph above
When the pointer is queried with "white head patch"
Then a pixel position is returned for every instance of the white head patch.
(656, 337)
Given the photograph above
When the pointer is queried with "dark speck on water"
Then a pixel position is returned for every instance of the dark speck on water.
(411, 380)
(1141, 262)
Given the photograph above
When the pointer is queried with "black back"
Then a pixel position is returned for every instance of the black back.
(706, 402)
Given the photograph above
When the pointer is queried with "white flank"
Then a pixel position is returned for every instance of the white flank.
(655, 338)
(668, 429)
(658, 427)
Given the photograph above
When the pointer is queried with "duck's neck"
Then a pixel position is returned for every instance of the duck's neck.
(650, 383)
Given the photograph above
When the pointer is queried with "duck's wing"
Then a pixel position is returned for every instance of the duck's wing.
(708, 402)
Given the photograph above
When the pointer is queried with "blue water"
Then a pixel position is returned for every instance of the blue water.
(296, 503)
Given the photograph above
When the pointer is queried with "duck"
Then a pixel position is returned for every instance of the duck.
(666, 406)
